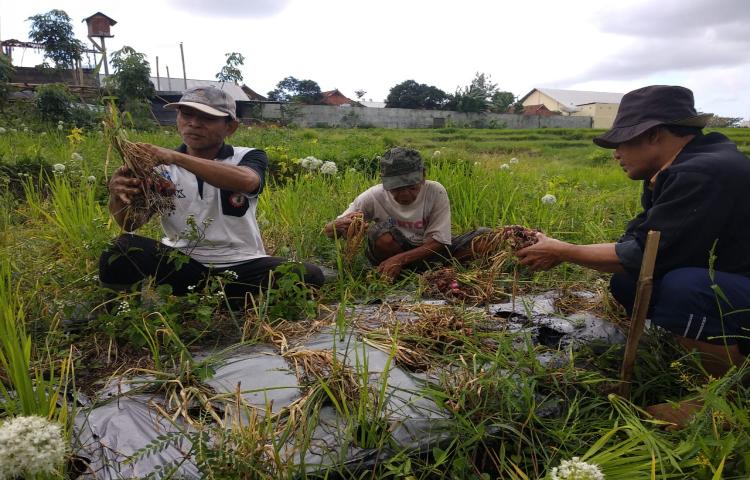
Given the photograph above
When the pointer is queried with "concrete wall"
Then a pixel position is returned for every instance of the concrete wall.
(327, 116)
(34, 75)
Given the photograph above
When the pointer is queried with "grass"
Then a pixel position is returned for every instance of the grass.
(510, 415)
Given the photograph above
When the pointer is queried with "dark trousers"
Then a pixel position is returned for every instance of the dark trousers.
(133, 258)
(687, 303)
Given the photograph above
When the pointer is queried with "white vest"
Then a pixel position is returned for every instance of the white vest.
(217, 228)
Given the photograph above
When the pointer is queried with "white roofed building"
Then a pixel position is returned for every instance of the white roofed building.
(600, 106)
(176, 85)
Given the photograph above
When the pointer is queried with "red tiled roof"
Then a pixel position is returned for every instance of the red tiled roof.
(540, 109)
(335, 97)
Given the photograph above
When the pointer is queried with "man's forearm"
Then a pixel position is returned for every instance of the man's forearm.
(220, 175)
(599, 256)
(430, 247)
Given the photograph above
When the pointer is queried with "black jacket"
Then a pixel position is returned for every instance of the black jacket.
(702, 198)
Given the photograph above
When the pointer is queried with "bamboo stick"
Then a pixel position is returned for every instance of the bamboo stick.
(640, 310)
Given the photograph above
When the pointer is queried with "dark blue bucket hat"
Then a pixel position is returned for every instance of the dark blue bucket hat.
(651, 106)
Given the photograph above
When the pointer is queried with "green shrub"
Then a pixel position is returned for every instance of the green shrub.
(85, 116)
(139, 115)
(54, 102)
(290, 298)
(6, 71)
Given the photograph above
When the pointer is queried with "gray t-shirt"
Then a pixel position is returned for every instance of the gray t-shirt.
(429, 216)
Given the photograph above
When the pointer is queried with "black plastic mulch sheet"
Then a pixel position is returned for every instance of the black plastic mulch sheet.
(124, 421)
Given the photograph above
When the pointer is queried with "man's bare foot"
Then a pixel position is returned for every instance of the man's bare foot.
(679, 414)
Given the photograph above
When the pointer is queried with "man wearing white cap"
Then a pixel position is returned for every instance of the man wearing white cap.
(216, 188)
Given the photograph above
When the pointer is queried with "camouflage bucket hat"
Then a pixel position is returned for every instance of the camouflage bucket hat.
(209, 100)
(401, 167)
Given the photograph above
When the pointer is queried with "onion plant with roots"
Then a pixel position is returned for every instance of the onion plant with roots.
(157, 192)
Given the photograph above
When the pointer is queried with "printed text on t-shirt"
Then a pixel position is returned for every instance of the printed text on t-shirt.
(418, 225)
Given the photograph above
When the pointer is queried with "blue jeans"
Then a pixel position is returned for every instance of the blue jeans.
(684, 303)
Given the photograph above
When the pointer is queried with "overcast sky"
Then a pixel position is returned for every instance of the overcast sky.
(372, 45)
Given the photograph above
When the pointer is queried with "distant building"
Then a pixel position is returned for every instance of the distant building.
(540, 109)
(175, 86)
(600, 106)
(371, 104)
(170, 90)
(337, 99)
(252, 94)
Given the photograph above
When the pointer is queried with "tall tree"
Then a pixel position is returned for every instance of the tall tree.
(131, 80)
(500, 102)
(476, 97)
(54, 31)
(230, 72)
(291, 89)
(410, 94)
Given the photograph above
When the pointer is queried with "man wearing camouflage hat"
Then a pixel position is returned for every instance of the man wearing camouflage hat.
(216, 188)
(409, 217)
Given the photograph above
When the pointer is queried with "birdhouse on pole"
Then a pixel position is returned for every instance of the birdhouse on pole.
(98, 25)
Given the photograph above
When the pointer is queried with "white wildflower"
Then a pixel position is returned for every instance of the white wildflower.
(504, 166)
(514, 160)
(25, 129)
(2, 130)
(311, 163)
(60, 127)
(477, 163)
(352, 170)
(549, 199)
(58, 168)
(123, 308)
(437, 153)
(43, 134)
(76, 156)
(30, 446)
(59, 122)
(577, 469)
(328, 168)
(91, 179)
(231, 274)
(191, 288)
(13, 130)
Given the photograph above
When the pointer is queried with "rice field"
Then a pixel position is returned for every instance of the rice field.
(504, 412)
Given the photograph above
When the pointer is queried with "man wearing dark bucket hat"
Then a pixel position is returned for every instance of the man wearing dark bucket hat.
(409, 217)
(694, 193)
(216, 188)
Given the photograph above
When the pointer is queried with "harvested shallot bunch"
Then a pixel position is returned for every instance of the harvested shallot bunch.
(158, 192)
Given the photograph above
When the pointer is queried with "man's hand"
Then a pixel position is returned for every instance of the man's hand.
(342, 224)
(123, 187)
(390, 268)
(165, 156)
(546, 253)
